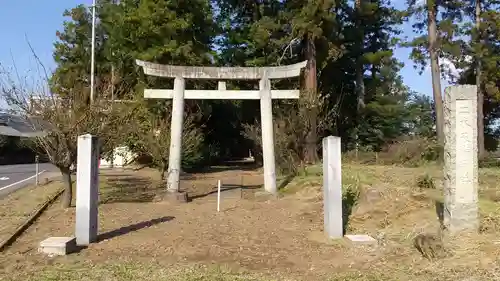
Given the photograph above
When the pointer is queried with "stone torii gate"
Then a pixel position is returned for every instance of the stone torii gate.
(179, 94)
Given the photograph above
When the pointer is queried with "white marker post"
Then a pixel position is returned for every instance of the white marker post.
(218, 196)
(332, 187)
(87, 190)
(36, 170)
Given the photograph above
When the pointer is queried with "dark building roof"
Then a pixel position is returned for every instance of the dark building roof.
(18, 126)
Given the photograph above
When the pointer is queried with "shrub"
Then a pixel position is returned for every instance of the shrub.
(292, 122)
(149, 135)
(287, 157)
(411, 152)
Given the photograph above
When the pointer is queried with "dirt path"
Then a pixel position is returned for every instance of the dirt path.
(272, 236)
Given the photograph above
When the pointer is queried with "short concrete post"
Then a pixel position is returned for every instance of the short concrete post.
(332, 187)
(460, 159)
(266, 113)
(87, 190)
(174, 161)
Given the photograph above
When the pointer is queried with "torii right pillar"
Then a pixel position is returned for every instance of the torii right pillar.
(266, 115)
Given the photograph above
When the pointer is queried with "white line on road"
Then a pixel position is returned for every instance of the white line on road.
(26, 179)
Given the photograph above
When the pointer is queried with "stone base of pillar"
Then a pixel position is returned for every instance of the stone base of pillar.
(172, 197)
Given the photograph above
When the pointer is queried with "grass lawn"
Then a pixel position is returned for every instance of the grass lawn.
(256, 239)
(16, 207)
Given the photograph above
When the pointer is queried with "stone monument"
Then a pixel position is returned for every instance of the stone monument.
(179, 94)
(460, 159)
(87, 190)
(332, 187)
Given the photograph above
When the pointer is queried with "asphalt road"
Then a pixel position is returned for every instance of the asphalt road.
(14, 177)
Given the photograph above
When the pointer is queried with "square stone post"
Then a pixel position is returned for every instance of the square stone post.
(460, 159)
(177, 122)
(332, 187)
(87, 189)
(266, 116)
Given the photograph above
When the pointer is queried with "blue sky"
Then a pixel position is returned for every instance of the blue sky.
(37, 21)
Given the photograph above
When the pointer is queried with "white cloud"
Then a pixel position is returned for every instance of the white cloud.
(449, 67)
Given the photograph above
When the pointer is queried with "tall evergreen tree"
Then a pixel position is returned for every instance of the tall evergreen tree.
(479, 83)
(161, 31)
(482, 70)
(261, 33)
(72, 53)
(439, 18)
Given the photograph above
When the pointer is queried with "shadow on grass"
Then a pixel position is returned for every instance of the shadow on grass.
(349, 200)
(128, 189)
(223, 189)
(131, 228)
(78, 249)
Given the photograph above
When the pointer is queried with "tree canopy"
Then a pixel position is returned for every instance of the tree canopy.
(351, 87)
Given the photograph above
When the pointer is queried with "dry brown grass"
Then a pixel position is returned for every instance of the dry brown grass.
(16, 207)
(269, 240)
(403, 210)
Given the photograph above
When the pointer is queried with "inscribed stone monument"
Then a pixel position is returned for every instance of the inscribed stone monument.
(460, 159)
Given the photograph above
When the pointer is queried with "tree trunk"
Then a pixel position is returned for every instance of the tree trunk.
(435, 71)
(374, 72)
(360, 83)
(311, 87)
(359, 69)
(68, 187)
(480, 96)
(163, 171)
(257, 154)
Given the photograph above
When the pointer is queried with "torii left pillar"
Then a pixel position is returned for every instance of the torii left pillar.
(174, 158)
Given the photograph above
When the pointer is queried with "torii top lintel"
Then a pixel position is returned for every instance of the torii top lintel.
(221, 73)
